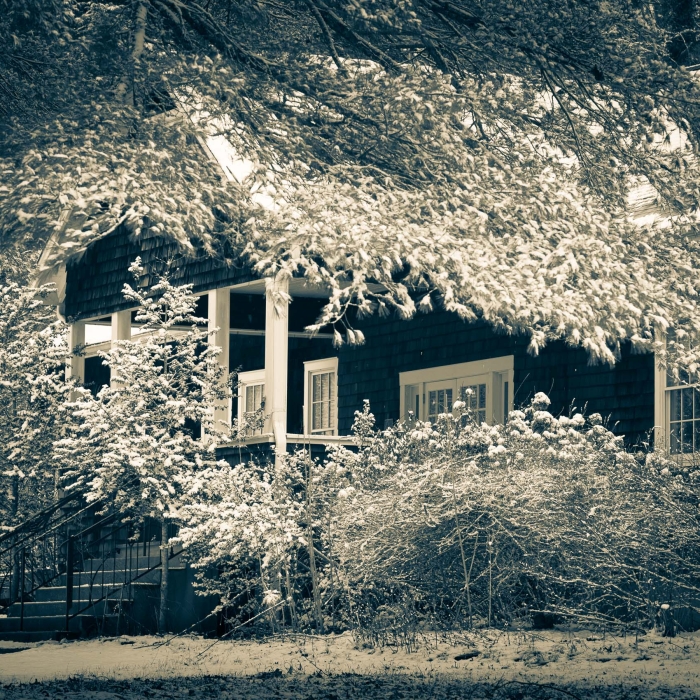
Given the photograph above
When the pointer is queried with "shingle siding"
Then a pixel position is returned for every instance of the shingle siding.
(624, 394)
(95, 282)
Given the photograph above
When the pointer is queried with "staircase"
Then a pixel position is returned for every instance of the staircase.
(74, 573)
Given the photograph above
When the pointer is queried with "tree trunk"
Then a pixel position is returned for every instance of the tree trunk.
(164, 552)
(318, 612)
(125, 89)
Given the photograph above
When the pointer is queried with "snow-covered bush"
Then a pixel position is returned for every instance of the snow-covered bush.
(259, 537)
(452, 524)
(542, 516)
(135, 446)
(241, 529)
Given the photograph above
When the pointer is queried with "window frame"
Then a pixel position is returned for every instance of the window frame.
(662, 411)
(253, 377)
(312, 368)
(496, 371)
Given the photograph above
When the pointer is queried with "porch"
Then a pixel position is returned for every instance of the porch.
(285, 387)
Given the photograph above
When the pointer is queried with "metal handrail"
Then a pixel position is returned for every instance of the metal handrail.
(45, 582)
(36, 520)
(79, 545)
(95, 601)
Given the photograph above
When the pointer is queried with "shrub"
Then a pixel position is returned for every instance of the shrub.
(543, 515)
(456, 524)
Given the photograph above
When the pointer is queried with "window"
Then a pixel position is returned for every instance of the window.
(677, 413)
(680, 413)
(251, 402)
(439, 399)
(474, 396)
(321, 397)
(684, 419)
(484, 386)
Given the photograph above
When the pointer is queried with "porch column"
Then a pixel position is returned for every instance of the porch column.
(121, 330)
(121, 326)
(660, 418)
(276, 356)
(219, 316)
(75, 369)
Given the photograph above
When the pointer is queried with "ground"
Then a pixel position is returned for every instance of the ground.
(498, 665)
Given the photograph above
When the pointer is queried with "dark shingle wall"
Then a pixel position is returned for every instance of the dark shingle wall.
(95, 282)
(625, 393)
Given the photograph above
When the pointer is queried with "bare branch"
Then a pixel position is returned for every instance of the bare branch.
(326, 33)
(343, 30)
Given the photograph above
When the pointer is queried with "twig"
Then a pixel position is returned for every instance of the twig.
(237, 627)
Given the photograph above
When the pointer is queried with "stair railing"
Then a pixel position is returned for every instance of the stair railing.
(106, 566)
(30, 552)
(95, 556)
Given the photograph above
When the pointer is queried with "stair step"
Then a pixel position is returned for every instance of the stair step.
(54, 627)
(109, 578)
(58, 593)
(98, 565)
(53, 608)
(81, 624)
(32, 636)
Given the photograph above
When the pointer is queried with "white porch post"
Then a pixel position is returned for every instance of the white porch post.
(276, 356)
(75, 369)
(121, 330)
(121, 326)
(219, 317)
(660, 437)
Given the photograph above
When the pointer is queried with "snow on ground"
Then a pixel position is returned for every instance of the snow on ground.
(553, 664)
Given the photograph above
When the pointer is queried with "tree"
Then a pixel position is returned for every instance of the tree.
(477, 156)
(135, 446)
(33, 350)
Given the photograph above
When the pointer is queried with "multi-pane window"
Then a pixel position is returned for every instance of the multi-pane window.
(254, 397)
(323, 403)
(254, 402)
(484, 386)
(474, 396)
(251, 402)
(683, 406)
(321, 397)
(439, 401)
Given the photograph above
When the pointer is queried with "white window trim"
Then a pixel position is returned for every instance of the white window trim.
(660, 405)
(328, 364)
(245, 379)
(662, 414)
(497, 369)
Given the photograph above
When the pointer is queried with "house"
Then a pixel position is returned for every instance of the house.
(296, 389)
(306, 391)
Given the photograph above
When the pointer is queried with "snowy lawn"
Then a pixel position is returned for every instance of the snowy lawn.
(512, 665)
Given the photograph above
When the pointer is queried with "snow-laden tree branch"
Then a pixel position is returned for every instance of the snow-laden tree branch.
(502, 141)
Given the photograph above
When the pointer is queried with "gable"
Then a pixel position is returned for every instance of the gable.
(94, 283)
